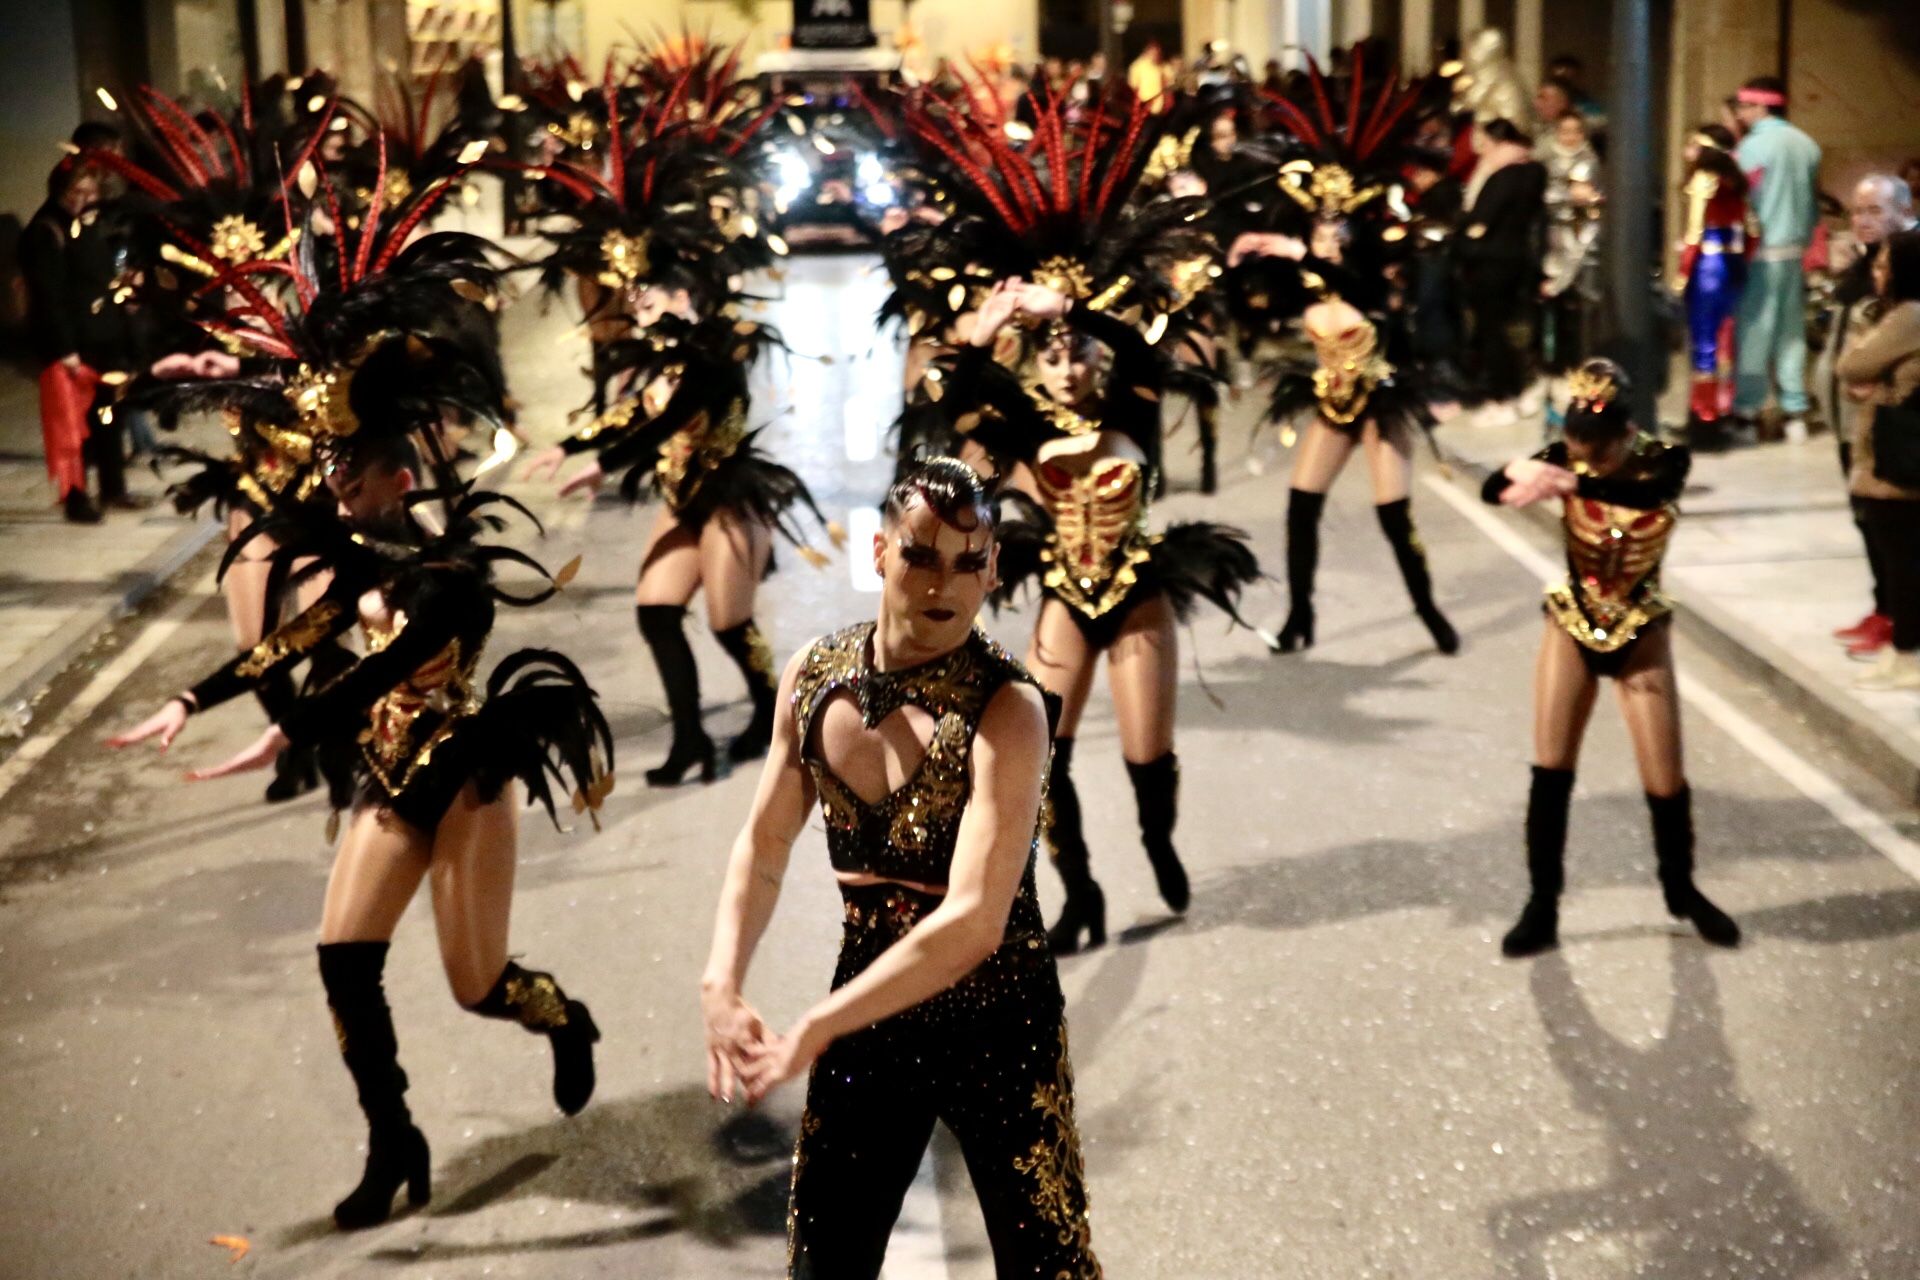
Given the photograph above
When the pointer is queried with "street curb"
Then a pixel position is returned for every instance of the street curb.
(61, 649)
(1884, 751)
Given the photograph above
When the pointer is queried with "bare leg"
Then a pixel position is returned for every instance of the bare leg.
(376, 872)
(245, 583)
(1563, 696)
(1143, 667)
(1062, 661)
(474, 851)
(733, 557)
(1650, 703)
(669, 575)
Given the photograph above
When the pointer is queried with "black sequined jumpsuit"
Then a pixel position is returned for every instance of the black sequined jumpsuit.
(987, 1057)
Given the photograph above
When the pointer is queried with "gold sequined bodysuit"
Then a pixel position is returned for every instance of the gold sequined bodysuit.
(987, 1057)
(1100, 537)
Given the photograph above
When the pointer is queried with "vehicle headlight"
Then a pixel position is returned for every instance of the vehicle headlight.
(792, 175)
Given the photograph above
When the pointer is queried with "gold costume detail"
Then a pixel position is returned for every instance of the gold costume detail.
(617, 417)
(295, 638)
(1057, 1170)
(1064, 275)
(1327, 189)
(1349, 367)
(1099, 538)
(320, 397)
(692, 453)
(1586, 388)
(760, 654)
(1613, 554)
(1173, 151)
(1061, 418)
(536, 1001)
(626, 258)
(236, 240)
(441, 693)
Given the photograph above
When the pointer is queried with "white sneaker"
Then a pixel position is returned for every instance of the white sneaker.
(1794, 430)
(1894, 671)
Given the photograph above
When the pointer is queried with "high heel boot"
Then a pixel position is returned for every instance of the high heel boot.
(397, 1152)
(1156, 790)
(1086, 905)
(1396, 521)
(754, 656)
(1547, 803)
(535, 1001)
(296, 769)
(663, 627)
(1673, 847)
(1303, 560)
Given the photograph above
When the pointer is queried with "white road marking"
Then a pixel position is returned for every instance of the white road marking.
(95, 692)
(1808, 780)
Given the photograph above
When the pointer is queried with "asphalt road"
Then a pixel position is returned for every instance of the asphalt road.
(1324, 1070)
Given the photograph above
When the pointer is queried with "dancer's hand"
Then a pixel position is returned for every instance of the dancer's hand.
(178, 365)
(778, 1059)
(587, 477)
(734, 1029)
(1532, 480)
(166, 723)
(1042, 303)
(258, 755)
(1257, 244)
(994, 313)
(545, 464)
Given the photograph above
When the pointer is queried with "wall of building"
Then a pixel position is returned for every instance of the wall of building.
(948, 28)
(39, 99)
(1854, 82)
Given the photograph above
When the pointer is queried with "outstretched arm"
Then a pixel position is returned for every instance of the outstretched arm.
(990, 857)
(754, 872)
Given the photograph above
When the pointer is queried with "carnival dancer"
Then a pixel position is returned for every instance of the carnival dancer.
(1712, 269)
(1619, 488)
(1072, 419)
(1326, 261)
(438, 758)
(926, 745)
(674, 230)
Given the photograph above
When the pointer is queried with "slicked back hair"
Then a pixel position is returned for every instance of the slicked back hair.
(950, 488)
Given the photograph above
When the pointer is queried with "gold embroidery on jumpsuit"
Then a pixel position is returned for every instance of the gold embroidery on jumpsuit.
(1059, 1175)
(1614, 553)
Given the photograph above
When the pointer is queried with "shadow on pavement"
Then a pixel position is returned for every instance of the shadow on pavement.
(1686, 1192)
(674, 1158)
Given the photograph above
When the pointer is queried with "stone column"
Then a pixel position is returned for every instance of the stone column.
(1416, 35)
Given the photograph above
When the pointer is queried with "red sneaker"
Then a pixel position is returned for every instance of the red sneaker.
(1862, 629)
(1877, 636)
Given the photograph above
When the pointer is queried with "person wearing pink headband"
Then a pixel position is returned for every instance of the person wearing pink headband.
(1783, 165)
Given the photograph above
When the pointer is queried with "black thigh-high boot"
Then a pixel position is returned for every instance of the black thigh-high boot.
(1086, 906)
(1673, 847)
(754, 656)
(1547, 802)
(1396, 521)
(535, 1001)
(663, 626)
(396, 1151)
(295, 769)
(1156, 789)
(1303, 558)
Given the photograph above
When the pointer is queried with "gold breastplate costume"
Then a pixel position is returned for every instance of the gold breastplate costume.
(692, 453)
(1348, 368)
(1614, 554)
(1100, 537)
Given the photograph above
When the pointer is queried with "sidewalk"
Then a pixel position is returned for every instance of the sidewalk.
(61, 583)
(1765, 564)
